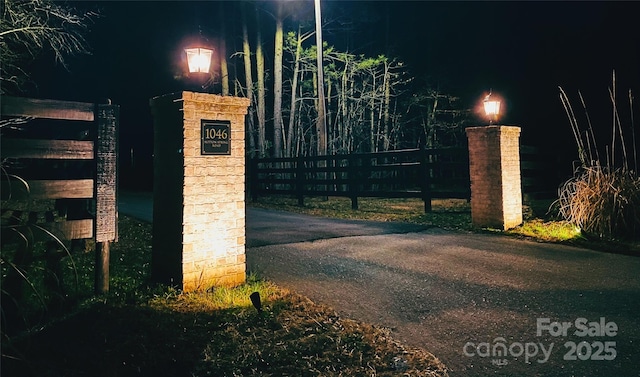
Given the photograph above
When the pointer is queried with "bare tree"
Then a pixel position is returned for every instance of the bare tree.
(261, 109)
(321, 122)
(277, 85)
(246, 54)
(28, 28)
(292, 39)
(367, 104)
(440, 116)
(224, 70)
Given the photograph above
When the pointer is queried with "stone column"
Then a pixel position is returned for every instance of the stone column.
(494, 167)
(199, 190)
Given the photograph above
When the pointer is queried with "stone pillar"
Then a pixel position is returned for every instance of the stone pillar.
(199, 190)
(494, 167)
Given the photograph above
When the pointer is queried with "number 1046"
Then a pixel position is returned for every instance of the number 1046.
(213, 133)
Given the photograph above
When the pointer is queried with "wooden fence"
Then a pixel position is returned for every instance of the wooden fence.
(410, 173)
(67, 152)
(542, 173)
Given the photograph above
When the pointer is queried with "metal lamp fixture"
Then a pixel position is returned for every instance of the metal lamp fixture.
(199, 59)
(491, 107)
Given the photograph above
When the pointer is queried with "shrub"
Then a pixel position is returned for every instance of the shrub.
(602, 202)
(603, 199)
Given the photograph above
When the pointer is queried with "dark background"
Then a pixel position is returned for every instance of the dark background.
(521, 50)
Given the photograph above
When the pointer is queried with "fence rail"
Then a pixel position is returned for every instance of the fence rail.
(410, 173)
(67, 152)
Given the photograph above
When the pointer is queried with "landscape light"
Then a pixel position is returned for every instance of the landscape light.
(255, 300)
(491, 107)
(199, 59)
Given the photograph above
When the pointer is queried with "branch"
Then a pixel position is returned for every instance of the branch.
(29, 29)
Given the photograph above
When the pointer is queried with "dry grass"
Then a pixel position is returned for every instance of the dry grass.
(603, 197)
(298, 337)
(603, 202)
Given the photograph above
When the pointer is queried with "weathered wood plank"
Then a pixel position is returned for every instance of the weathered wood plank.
(46, 108)
(106, 162)
(49, 189)
(101, 283)
(47, 149)
(71, 229)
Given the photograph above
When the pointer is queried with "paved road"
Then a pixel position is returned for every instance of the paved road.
(460, 296)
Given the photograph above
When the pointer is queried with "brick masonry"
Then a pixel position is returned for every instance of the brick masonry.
(209, 190)
(494, 167)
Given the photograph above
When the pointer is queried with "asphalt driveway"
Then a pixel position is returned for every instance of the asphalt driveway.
(486, 305)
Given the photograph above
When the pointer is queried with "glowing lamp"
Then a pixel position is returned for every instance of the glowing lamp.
(491, 107)
(199, 59)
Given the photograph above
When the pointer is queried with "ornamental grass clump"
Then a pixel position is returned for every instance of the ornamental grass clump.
(603, 202)
(603, 197)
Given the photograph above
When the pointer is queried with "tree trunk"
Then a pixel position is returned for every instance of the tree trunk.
(246, 49)
(314, 83)
(431, 135)
(277, 86)
(372, 115)
(261, 90)
(330, 129)
(224, 71)
(386, 105)
(321, 126)
(343, 107)
(294, 88)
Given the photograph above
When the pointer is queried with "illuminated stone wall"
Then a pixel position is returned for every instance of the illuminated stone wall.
(494, 167)
(206, 247)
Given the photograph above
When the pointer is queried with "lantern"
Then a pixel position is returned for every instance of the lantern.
(491, 107)
(199, 59)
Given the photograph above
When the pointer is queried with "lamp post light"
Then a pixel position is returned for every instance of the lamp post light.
(491, 107)
(199, 59)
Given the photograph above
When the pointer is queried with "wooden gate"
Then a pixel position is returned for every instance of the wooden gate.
(67, 152)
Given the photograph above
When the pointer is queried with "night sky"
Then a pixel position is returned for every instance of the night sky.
(521, 50)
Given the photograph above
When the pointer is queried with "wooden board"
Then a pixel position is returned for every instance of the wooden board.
(71, 229)
(49, 189)
(47, 149)
(45, 108)
(106, 176)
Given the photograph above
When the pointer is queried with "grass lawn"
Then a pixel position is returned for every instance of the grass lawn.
(540, 224)
(447, 213)
(138, 330)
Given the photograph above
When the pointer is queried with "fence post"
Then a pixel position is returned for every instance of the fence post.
(352, 178)
(300, 180)
(101, 285)
(106, 221)
(426, 179)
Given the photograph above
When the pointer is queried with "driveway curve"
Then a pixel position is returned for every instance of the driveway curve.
(462, 296)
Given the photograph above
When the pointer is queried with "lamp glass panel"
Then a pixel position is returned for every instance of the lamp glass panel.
(492, 107)
(199, 59)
